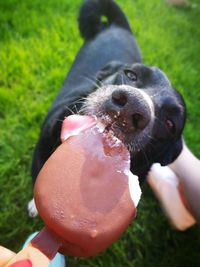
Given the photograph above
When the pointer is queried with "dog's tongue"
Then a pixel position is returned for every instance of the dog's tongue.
(74, 124)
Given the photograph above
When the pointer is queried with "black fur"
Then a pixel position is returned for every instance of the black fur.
(109, 51)
(90, 22)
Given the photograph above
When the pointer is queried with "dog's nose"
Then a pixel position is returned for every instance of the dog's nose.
(130, 108)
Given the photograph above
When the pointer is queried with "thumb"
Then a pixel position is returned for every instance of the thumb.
(5, 255)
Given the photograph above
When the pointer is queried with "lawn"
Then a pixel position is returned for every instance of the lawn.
(38, 43)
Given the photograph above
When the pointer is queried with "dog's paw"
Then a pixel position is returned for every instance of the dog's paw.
(32, 210)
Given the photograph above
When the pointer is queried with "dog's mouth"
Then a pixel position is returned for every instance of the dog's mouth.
(74, 124)
(114, 127)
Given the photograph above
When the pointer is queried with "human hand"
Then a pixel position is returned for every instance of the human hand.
(27, 257)
(5, 255)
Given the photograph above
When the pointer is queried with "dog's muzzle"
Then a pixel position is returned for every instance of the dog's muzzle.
(130, 107)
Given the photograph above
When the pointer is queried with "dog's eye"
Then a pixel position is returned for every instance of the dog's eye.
(170, 126)
(131, 75)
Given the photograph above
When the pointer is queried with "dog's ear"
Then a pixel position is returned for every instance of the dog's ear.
(108, 70)
(172, 153)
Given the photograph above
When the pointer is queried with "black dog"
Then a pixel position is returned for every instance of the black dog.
(107, 79)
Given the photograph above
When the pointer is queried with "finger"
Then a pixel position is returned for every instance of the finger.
(5, 255)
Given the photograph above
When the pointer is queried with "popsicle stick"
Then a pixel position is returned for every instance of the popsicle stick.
(47, 242)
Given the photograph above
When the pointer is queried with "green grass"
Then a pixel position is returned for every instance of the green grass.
(38, 42)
